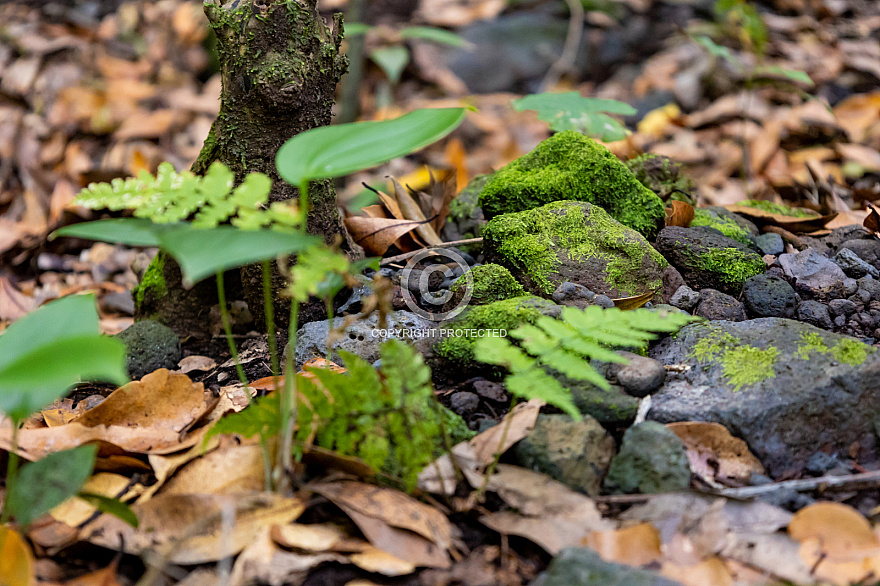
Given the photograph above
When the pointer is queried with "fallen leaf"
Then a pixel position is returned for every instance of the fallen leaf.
(842, 532)
(191, 528)
(710, 571)
(714, 453)
(103, 577)
(412, 211)
(377, 235)
(263, 562)
(13, 303)
(679, 213)
(229, 470)
(790, 223)
(872, 221)
(196, 363)
(16, 559)
(75, 510)
(638, 545)
(635, 302)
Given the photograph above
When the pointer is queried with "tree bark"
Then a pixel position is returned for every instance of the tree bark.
(279, 64)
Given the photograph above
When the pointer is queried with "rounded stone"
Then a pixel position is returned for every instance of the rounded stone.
(769, 296)
(717, 305)
(843, 307)
(149, 346)
(464, 403)
(603, 301)
(651, 459)
(685, 298)
(641, 376)
(814, 313)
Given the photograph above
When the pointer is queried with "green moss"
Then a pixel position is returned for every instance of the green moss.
(851, 352)
(748, 365)
(570, 166)
(505, 315)
(154, 278)
(726, 226)
(731, 264)
(741, 364)
(491, 282)
(811, 342)
(465, 203)
(769, 206)
(662, 176)
(527, 241)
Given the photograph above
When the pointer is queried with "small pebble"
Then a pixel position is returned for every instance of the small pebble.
(770, 243)
(603, 301)
(814, 313)
(464, 403)
(685, 298)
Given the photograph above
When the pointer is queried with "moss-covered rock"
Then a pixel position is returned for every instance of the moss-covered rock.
(571, 166)
(576, 242)
(709, 260)
(663, 176)
(490, 282)
(652, 459)
(149, 346)
(724, 223)
(475, 322)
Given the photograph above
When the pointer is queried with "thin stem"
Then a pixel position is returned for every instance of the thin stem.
(566, 61)
(491, 469)
(227, 328)
(11, 472)
(304, 205)
(269, 312)
(288, 407)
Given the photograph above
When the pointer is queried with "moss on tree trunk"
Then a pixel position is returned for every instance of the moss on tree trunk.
(280, 64)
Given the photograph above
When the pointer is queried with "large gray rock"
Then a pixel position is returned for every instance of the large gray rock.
(815, 274)
(652, 459)
(149, 346)
(362, 337)
(576, 453)
(580, 566)
(787, 388)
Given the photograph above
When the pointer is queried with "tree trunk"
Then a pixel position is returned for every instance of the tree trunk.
(280, 64)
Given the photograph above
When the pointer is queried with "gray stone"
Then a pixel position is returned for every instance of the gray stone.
(814, 274)
(149, 346)
(839, 321)
(814, 312)
(707, 259)
(685, 298)
(867, 250)
(491, 391)
(603, 301)
(580, 566)
(770, 243)
(575, 453)
(787, 388)
(611, 407)
(852, 265)
(769, 296)
(717, 305)
(640, 377)
(573, 295)
(871, 286)
(361, 337)
(843, 307)
(652, 459)
(464, 403)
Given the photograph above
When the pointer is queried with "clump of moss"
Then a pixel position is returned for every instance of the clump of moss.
(741, 364)
(154, 278)
(851, 352)
(726, 226)
(491, 282)
(465, 203)
(571, 166)
(528, 242)
(507, 315)
(776, 208)
(731, 265)
(811, 342)
(663, 176)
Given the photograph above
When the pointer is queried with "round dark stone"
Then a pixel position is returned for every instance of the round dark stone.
(814, 313)
(841, 307)
(464, 403)
(717, 305)
(149, 346)
(769, 296)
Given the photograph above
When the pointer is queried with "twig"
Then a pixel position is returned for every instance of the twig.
(406, 255)
(787, 236)
(570, 49)
(851, 482)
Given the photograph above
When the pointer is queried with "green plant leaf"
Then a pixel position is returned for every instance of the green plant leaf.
(571, 111)
(130, 231)
(262, 417)
(111, 506)
(356, 28)
(47, 351)
(47, 483)
(334, 151)
(392, 60)
(430, 33)
(717, 51)
(792, 74)
(202, 253)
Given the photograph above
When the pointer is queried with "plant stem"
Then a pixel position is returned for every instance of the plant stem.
(288, 407)
(304, 205)
(508, 420)
(227, 328)
(269, 312)
(11, 472)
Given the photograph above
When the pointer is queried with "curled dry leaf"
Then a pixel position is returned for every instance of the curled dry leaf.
(412, 211)
(549, 513)
(190, 528)
(872, 222)
(263, 562)
(377, 235)
(842, 531)
(13, 303)
(634, 302)
(472, 456)
(229, 470)
(75, 510)
(679, 213)
(790, 223)
(714, 454)
(710, 571)
(159, 400)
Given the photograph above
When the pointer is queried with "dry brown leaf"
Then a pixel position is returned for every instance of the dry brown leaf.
(765, 145)
(317, 537)
(375, 211)
(75, 510)
(456, 13)
(872, 220)
(103, 577)
(472, 456)
(549, 513)
(146, 125)
(159, 400)
(377, 235)
(390, 506)
(857, 113)
(715, 454)
(190, 529)
(635, 302)
(412, 211)
(164, 466)
(373, 559)
(866, 157)
(196, 363)
(790, 223)
(679, 213)
(711, 571)
(263, 562)
(842, 532)
(13, 303)
(229, 470)
(16, 559)
(638, 545)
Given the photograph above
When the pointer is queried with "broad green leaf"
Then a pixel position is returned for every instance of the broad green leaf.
(571, 111)
(791, 74)
(111, 506)
(47, 483)
(392, 60)
(130, 231)
(356, 28)
(46, 373)
(430, 33)
(334, 151)
(202, 253)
